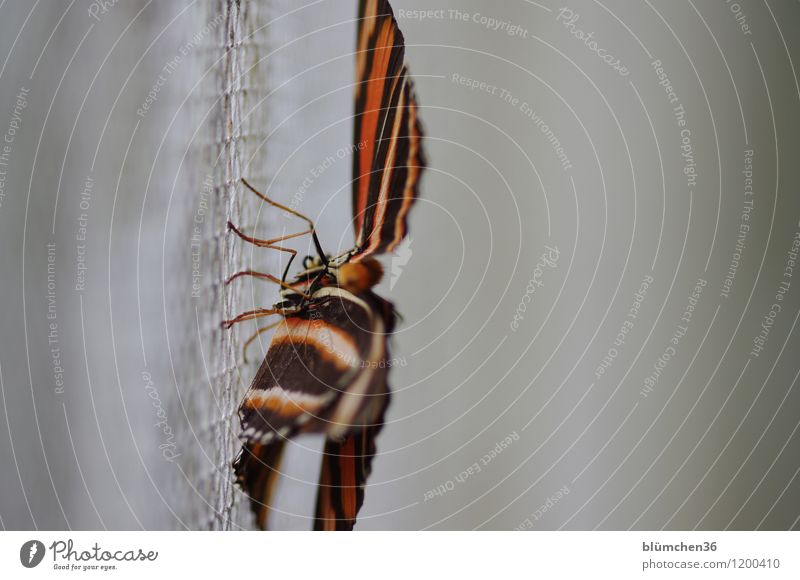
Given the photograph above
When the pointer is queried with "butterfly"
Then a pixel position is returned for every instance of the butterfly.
(326, 367)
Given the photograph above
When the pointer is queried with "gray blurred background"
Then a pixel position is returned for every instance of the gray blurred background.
(599, 297)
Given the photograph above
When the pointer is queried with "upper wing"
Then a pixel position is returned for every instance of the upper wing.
(389, 158)
(323, 373)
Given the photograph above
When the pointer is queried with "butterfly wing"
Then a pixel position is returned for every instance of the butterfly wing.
(324, 372)
(389, 158)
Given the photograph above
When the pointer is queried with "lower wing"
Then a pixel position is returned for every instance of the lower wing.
(324, 372)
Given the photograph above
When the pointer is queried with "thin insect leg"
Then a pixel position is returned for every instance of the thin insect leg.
(312, 231)
(258, 333)
(251, 315)
(263, 276)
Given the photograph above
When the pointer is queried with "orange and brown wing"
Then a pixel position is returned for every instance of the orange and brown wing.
(346, 466)
(389, 158)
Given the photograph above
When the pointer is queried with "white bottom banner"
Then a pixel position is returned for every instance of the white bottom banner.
(232, 555)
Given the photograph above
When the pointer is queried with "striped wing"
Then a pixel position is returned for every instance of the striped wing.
(257, 468)
(390, 158)
(323, 373)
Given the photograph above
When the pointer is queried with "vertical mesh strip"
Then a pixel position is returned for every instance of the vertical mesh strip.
(229, 98)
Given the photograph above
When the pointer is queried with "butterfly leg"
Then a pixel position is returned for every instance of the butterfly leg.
(346, 465)
(257, 468)
(262, 276)
(268, 243)
(271, 244)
